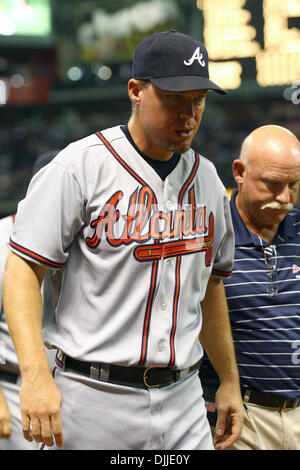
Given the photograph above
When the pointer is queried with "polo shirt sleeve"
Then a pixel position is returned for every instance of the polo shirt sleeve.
(49, 217)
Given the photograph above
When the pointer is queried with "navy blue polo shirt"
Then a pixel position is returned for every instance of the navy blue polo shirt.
(266, 327)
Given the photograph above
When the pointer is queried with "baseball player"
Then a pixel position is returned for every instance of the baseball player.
(133, 228)
(10, 379)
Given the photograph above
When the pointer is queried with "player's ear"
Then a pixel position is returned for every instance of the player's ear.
(134, 88)
(238, 168)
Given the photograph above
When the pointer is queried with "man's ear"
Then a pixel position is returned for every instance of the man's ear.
(134, 88)
(238, 169)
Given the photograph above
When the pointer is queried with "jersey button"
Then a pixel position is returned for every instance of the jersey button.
(160, 347)
(163, 306)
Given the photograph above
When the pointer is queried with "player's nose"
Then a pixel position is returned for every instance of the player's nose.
(188, 109)
(284, 196)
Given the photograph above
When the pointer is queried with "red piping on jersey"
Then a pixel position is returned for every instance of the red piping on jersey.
(35, 256)
(58, 362)
(120, 159)
(148, 314)
(175, 310)
(190, 178)
(147, 319)
(178, 265)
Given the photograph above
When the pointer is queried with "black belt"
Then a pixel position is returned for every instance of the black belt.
(139, 377)
(10, 377)
(267, 399)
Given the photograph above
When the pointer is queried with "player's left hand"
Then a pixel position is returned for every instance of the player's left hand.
(230, 417)
(5, 421)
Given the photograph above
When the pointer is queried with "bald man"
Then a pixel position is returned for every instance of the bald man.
(263, 293)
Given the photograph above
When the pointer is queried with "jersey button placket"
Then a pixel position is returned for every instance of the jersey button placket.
(169, 204)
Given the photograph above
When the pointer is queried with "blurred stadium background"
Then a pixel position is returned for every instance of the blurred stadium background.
(64, 67)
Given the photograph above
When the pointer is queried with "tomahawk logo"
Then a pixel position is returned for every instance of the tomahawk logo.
(196, 56)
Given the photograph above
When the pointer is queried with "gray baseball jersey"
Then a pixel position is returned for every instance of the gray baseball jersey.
(129, 254)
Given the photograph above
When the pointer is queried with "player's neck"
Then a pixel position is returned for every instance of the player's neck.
(145, 146)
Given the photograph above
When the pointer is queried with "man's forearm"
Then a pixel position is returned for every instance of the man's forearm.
(23, 311)
(215, 336)
(40, 400)
(216, 339)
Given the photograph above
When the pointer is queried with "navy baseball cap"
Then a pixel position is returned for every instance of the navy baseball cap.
(173, 61)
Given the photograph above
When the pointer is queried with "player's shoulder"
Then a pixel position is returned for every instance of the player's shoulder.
(87, 147)
(206, 168)
(208, 176)
(206, 163)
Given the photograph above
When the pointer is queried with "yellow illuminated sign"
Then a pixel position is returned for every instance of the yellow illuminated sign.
(227, 32)
(226, 73)
(229, 36)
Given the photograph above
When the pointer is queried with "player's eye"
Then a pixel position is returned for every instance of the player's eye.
(172, 98)
(199, 99)
(294, 185)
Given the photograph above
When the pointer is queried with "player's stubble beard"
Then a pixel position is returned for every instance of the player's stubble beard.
(184, 146)
(175, 148)
(180, 147)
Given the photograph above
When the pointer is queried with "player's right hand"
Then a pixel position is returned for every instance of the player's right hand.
(5, 421)
(230, 416)
(40, 403)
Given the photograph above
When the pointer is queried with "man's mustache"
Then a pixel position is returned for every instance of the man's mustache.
(278, 206)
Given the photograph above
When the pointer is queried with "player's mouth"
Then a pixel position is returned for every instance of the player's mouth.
(184, 133)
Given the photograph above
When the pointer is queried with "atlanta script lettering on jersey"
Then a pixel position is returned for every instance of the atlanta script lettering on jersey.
(144, 221)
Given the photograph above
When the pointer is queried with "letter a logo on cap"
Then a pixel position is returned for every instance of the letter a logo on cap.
(196, 56)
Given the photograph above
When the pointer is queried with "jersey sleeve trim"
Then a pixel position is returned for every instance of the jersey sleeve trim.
(221, 273)
(35, 256)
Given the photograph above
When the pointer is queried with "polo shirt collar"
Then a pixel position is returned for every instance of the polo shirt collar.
(243, 236)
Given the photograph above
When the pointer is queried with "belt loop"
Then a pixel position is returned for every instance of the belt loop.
(183, 373)
(104, 372)
(94, 370)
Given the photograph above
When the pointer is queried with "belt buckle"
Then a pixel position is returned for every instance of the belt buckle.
(145, 378)
(296, 403)
(292, 406)
(285, 405)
